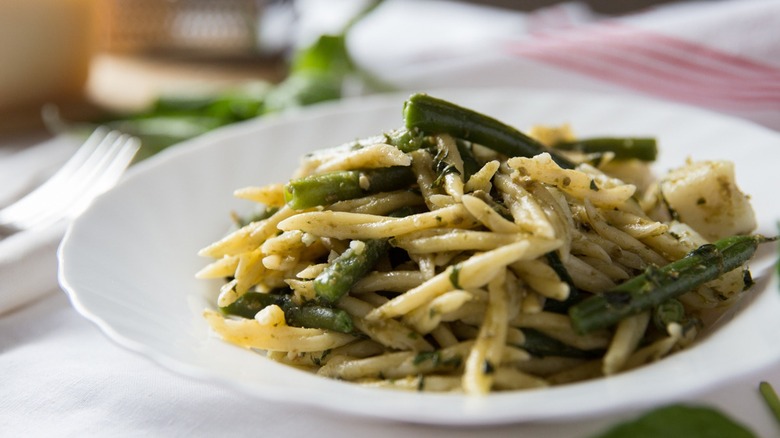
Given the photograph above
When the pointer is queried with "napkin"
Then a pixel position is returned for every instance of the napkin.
(28, 262)
(719, 55)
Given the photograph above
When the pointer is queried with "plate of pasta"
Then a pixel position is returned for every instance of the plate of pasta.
(451, 257)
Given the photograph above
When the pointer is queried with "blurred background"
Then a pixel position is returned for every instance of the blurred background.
(95, 59)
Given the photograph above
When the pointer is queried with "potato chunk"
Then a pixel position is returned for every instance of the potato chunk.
(705, 196)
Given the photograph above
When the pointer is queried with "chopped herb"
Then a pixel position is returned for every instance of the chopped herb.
(433, 356)
(436, 359)
(454, 276)
(407, 140)
(318, 360)
(442, 167)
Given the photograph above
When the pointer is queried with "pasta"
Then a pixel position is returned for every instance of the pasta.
(431, 258)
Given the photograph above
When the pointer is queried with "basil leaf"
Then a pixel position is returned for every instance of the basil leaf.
(680, 421)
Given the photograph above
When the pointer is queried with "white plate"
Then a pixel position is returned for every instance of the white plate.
(128, 262)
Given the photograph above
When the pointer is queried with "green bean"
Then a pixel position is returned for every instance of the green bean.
(247, 305)
(257, 215)
(657, 285)
(541, 345)
(669, 311)
(433, 116)
(349, 267)
(327, 188)
(575, 295)
(314, 316)
(308, 315)
(644, 149)
(470, 164)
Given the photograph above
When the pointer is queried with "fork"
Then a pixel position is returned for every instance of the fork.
(93, 169)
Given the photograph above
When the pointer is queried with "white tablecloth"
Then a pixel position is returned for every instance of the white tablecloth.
(60, 376)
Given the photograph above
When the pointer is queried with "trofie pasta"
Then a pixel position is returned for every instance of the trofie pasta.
(460, 254)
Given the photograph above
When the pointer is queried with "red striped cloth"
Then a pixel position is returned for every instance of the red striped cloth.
(724, 55)
(655, 63)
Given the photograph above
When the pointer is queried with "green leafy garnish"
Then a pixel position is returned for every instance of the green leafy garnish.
(771, 399)
(317, 74)
(680, 421)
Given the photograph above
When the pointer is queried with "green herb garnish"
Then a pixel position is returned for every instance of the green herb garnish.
(680, 421)
(771, 399)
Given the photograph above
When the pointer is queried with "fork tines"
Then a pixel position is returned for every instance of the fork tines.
(94, 168)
